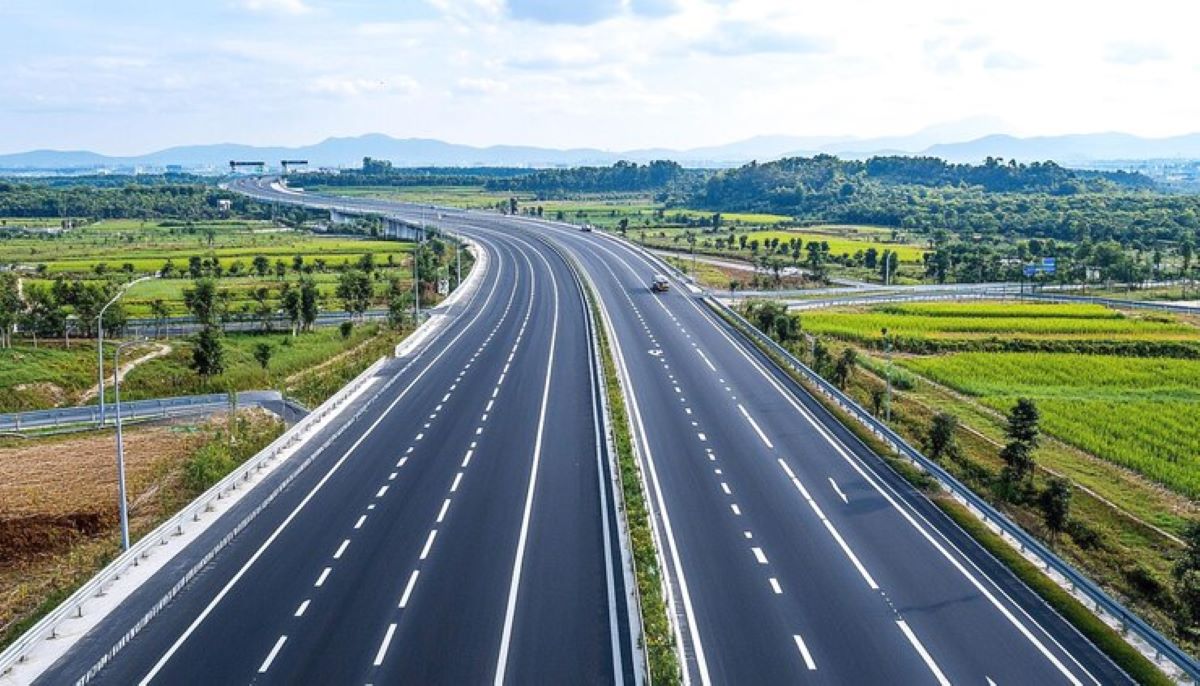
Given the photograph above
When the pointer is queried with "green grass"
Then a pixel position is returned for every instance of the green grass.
(1049, 320)
(36, 378)
(1143, 413)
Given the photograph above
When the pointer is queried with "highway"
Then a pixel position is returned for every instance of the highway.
(455, 539)
(463, 531)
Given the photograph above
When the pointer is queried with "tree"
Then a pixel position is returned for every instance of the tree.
(262, 354)
(942, 441)
(298, 263)
(11, 306)
(845, 367)
(1187, 580)
(309, 303)
(280, 269)
(346, 328)
(42, 316)
(195, 267)
(399, 304)
(1022, 432)
(208, 355)
(1055, 504)
(291, 303)
(263, 310)
(160, 312)
(355, 289)
(261, 265)
(203, 302)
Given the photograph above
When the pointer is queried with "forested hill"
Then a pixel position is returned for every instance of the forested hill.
(794, 177)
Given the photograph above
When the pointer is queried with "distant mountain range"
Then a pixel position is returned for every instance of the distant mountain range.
(1071, 150)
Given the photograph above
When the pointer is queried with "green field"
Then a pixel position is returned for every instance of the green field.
(1143, 413)
(990, 320)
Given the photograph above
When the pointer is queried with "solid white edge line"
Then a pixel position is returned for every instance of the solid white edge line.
(762, 436)
(916, 644)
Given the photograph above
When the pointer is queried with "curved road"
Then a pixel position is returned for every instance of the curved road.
(792, 554)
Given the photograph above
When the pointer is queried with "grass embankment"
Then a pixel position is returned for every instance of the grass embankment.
(662, 660)
(52, 376)
(1102, 635)
(58, 509)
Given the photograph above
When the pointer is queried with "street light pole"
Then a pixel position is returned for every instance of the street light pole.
(887, 344)
(417, 284)
(123, 501)
(100, 339)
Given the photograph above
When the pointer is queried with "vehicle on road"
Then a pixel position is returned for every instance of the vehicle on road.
(586, 227)
(659, 284)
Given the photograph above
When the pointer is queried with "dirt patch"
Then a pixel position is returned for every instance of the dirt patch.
(159, 350)
(46, 394)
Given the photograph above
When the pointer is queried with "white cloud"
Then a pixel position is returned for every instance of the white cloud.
(474, 86)
(350, 87)
(1133, 53)
(277, 6)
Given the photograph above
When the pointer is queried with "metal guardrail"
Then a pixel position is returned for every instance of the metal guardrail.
(133, 410)
(1101, 602)
(74, 606)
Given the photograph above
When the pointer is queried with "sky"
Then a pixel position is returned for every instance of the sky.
(127, 77)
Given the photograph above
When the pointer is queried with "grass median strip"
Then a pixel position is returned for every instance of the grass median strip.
(662, 661)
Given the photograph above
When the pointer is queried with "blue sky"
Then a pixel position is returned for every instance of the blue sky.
(125, 77)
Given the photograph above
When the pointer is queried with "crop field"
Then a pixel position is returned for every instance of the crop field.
(467, 197)
(985, 320)
(1143, 413)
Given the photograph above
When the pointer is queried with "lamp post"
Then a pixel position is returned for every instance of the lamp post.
(123, 502)
(100, 338)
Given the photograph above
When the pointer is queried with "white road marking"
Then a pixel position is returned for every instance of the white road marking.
(725, 487)
(382, 490)
(392, 476)
(838, 490)
(736, 510)
(383, 647)
(808, 661)
(759, 555)
(300, 610)
(359, 523)
(766, 441)
(748, 534)
(912, 638)
(324, 575)
(457, 479)
(775, 586)
(402, 461)
(836, 536)
(408, 589)
(702, 436)
(420, 436)
(409, 451)
(428, 543)
(489, 406)
(442, 513)
(445, 397)
(705, 358)
(271, 656)
(478, 430)
(467, 458)
(484, 417)
(341, 549)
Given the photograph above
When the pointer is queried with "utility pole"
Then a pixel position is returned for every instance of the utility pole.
(458, 263)
(416, 285)
(124, 502)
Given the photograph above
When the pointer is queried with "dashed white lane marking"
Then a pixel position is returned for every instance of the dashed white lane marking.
(736, 510)
(838, 491)
(445, 397)
(489, 406)
(467, 458)
(484, 417)
(341, 549)
(759, 555)
(428, 543)
(495, 391)
(775, 586)
(702, 436)
(412, 580)
(748, 535)
(324, 575)
(725, 487)
(271, 655)
(383, 647)
(371, 506)
(705, 358)
(766, 441)
(912, 638)
(300, 610)
(382, 490)
(359, 523)
(442, 513)
(419, 436)
(834, 532)
(808, 661)
(409, 451)
(478, 430)
(392, 476)
(457, 479)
